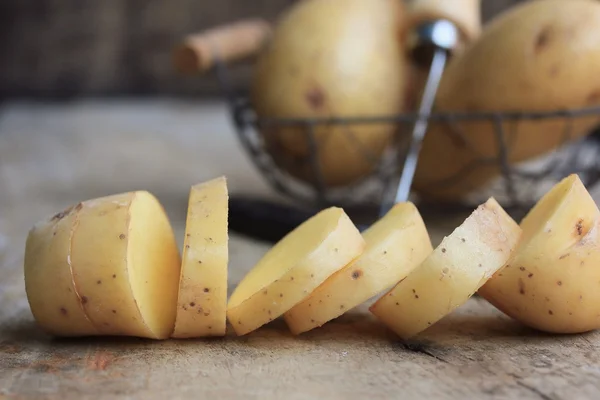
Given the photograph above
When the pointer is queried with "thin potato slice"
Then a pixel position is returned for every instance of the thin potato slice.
(293, 268)
(202, 301)
(395, 245)
(459, 266)
(126, 265)
(551, 284)
(48, 282)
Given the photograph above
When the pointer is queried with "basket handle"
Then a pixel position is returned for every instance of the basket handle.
(465, 14)
(227, 43)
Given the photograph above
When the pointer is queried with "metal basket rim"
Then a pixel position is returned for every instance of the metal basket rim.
(412, 117)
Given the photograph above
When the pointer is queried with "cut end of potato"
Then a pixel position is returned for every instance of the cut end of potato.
(551, 284)
(293, 268)
(394, 246)
(202, 301)
(52, 297)
(450, 275)
(126, 265)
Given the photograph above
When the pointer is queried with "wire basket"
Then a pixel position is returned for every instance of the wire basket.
(517, 186)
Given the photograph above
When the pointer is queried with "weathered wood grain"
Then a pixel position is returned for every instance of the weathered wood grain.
(51, 156)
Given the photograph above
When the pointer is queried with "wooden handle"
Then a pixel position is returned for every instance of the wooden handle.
(466, 14)
(228, 43)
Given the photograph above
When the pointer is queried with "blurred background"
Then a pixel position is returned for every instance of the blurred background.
(61, 49)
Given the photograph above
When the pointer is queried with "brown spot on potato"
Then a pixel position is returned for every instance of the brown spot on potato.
(546, 298)
(206, 290)
(312, 275)
(239, 322)
(443, 250)
(342, 307)
(312, 320)
(384, 252)
(414, 291)
(579, 227)
(559, 283)
(542, 39)
(594, 97)
(280, 294)
(114, 276)
(63, 311)
(209, 327)
(122, 236)
(564, 256)
(522, 268)
(269, 312)
(416, 296)
(356, 274)
(480, 265)
(530, 275)
(78, 207)
(521, 286)
(397, 303)
(462, 240)
(114, 311)
(192, 304)
(99, 282)
(84, 300)
(187, 246)
(550, 312)
(265, 291)
(315, 98)
(336, 250)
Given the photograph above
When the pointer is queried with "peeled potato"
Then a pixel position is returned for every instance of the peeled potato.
(538, 56)
(552, 283)
(293, 268)
(125, 265)
(202, 300)
(52, 297)
(395, 245)
(450, 275)
(331, 59)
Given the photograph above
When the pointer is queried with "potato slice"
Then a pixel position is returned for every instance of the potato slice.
(551, 284)
(202, 301)
(293, 268)
(126, 265)
(463, 262)
(48, 282)
(395, 245)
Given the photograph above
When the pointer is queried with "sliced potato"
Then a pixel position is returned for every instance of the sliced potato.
(202, 301)
(450, 275)
(395, 245)
(126, 265)
(293, 268)
(48, 282)
(552, 283)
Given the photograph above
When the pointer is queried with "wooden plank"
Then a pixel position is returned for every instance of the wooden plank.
(51, 156)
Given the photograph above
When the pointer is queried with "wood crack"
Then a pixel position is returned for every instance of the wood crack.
(534, 390)
(422, 349)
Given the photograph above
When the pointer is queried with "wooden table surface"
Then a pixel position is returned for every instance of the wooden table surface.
(55, 155)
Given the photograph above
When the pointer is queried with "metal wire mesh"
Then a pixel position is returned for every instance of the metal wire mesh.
(515, 180)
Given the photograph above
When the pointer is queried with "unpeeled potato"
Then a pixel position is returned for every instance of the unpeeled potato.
(331, 58)
(553, 281)
(543, 55)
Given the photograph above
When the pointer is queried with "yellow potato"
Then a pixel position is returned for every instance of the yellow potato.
(52, 297)
(538, 56)
(395, 245)
(332, 58)
(552, 282)
(459, 266)
(125, 265)
(202, 300)
(293, 268)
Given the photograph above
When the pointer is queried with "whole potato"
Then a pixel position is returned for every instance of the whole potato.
(332, 58)
(543, 55)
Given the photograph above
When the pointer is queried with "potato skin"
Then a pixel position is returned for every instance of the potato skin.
(53, 299)
(331, 58)
(553, 282)
(543, 55)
